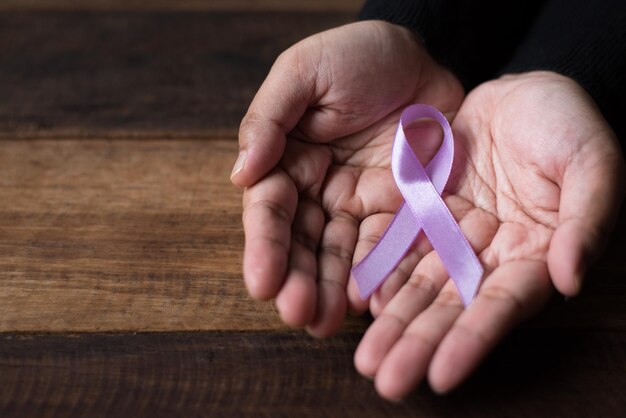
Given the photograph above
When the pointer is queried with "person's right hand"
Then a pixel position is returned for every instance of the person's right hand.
(315, 161)
(536, 185)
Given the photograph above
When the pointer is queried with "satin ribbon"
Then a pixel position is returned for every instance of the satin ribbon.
(422, 209)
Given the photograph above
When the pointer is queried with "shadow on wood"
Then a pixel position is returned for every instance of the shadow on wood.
(534, 373)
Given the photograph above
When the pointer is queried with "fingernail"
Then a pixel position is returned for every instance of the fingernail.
(241, 160)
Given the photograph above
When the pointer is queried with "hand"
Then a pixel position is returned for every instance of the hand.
(536, 184)
(314, 156)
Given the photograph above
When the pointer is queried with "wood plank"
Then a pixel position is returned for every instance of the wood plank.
(127, 74)
(122, 235)
(534, 373)
(185, 5)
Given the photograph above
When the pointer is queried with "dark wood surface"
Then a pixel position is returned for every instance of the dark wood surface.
(126, 74)
(121, 241)
(182, 5)
(547, 373)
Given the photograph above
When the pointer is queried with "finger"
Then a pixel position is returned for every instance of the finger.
(400, 276)
(421, 289)
(297, 299)
(334, 261)
(269, 208)
(510, 294)
(591, 192)
(280, 102)
(407, 362)
(478, 228)
(356, 305)
(423, 286)
(370, 231)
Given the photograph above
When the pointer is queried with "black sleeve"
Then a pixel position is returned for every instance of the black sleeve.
(462, 34)
(585, 41)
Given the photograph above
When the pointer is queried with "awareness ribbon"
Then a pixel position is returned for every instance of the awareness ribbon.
(422, 209)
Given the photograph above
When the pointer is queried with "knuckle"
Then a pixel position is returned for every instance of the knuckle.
(423, 338)
(503, 295)
(482, 338)
(306, 241)
(248, 125)
(248, 119)
(343, 254)
(343, 216)
(403, 323)
(449, 299)
(275, 210)
(423, 283)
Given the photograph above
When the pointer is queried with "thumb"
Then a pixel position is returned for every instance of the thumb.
(591, 193)
(276, 109)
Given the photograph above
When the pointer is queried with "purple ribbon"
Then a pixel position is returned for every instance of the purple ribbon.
(422, 209)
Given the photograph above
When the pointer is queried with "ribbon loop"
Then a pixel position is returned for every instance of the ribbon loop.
(422, 209)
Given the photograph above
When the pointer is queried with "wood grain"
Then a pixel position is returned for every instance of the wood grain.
(544, 373)
(122, 235)
(100, 235)
(185, 5)
(152, 75)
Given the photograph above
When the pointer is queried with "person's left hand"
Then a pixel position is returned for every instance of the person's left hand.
(314, 158)
(536, 184)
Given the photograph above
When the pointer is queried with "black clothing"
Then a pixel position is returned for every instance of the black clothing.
(583, 40)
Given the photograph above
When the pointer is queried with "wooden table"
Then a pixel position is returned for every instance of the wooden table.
(121, 240)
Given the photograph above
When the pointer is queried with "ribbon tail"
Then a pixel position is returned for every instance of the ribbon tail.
(395, 242)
